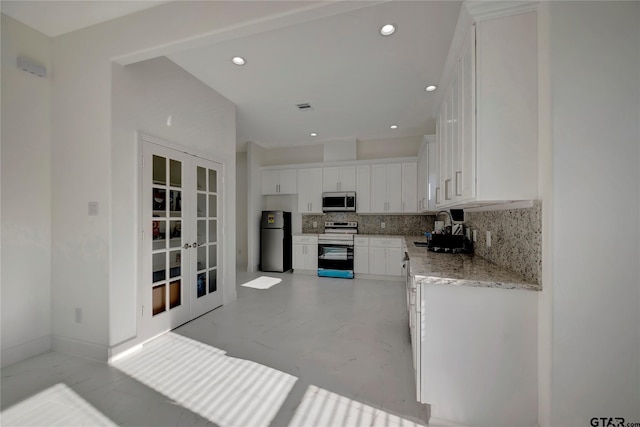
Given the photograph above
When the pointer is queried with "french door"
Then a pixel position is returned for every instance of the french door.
(181, 253)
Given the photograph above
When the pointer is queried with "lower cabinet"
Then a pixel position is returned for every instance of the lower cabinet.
(361, 255)
(385, 257)
(490, 338)
(305, 252)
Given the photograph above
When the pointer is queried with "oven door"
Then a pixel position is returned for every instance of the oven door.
(335, 259)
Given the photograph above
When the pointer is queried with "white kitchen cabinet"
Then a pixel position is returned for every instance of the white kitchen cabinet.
(487, 121)
(456, 352)
(409, 187)
(423, 176)
(361, 255)
(342, 178)
(377, 260)
(363, 188)
(432, 180)
(379, 188)
(310, 190)
(386, 188)
(385, 257)
(305, 252)
(279, 181)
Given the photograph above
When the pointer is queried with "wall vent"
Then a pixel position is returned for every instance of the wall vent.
(304, 107)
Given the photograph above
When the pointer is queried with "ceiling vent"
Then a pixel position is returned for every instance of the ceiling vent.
(304, 107)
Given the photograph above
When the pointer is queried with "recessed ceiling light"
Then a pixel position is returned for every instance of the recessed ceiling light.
(238, 60)
(431, 88)
(313, 134)
(394, 126)
(388, 29)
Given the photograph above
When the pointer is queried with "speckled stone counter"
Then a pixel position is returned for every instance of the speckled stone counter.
(460, 269)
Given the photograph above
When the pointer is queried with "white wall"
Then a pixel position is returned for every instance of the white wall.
(144, 95)
(26, 195)
(242, 199)
(255, 155)
(293, 155)
(384, 148)
(595, 96)
(83, 162)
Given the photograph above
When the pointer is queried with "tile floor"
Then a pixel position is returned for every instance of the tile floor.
(308, 351)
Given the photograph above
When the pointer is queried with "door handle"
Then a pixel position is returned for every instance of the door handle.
(186, 246)
(194, 245)
(458, 192)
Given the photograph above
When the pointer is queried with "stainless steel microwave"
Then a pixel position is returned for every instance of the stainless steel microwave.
(344, 201)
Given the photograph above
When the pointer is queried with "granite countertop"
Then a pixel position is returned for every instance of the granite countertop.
(460, 269)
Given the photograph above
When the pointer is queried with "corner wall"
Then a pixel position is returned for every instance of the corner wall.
(26, 195)
(242, 191)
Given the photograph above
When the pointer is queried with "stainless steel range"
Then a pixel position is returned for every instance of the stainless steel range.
(335, 249)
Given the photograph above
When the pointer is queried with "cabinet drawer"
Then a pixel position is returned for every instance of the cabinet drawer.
(361, 241)
(305, 239)
(385, 242)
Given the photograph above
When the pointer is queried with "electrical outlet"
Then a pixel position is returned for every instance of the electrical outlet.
(488, 239)
(78, 315)
(475, 235)
(315, 224)
(382, 225)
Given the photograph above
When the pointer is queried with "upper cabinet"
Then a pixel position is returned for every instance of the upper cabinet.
(363, 189)
(427, 174)
(379, 187)
(393, 188)
(486, 125)
(310, 190)
(341, 178)
(279, 181)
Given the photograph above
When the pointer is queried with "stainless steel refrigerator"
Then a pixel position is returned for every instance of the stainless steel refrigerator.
(275, 241)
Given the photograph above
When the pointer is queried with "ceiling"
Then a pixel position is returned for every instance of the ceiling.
(55, 18)
(357, 82)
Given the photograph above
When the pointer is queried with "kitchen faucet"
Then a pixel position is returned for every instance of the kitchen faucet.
(448, 214)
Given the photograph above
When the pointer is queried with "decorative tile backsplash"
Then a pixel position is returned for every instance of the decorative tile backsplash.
(516, 234)
(370, 224)
(516, 239)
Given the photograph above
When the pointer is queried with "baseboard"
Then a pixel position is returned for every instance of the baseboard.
(380, 277)
(305, 272)
(20, 352)
(79, 348)
(439, 422)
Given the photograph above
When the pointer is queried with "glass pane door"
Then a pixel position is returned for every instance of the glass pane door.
(206, 295)
(164, 294)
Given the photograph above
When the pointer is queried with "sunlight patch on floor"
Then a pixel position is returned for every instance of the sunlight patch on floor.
(203, 379)
(55, 406)
(322, 408)
(262, 282)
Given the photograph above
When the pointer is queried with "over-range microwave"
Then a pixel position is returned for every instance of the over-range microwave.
(344, 201)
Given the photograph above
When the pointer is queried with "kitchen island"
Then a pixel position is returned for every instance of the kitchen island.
(474, 338)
